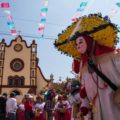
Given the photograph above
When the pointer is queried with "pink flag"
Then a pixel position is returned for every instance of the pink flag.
(43, 14)
(74, 19)
(13, 31)
(41, 28)
(9, 17)
(5, 5)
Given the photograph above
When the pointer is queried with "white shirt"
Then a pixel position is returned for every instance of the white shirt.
(39, 106)
(11, 105)
(63, 102)
(21, 107)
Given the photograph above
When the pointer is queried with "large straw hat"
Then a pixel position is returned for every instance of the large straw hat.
(94, 25)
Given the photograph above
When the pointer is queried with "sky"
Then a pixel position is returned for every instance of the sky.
(26, 16)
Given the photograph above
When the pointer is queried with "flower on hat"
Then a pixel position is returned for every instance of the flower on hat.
(50, 94)
(99, 28)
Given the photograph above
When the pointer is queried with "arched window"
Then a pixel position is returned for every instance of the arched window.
(16, 81)
(33, 56)
(32, 73)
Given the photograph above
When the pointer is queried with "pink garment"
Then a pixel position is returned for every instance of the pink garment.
(66, 115)
(21, 110)
(21, 115)
(39, 107)
(59, 115)
(40, 117)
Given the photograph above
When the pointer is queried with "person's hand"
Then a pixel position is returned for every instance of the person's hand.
(53, 113)
(64, 109)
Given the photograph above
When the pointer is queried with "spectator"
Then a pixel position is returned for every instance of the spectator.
(62, 109)
(11, 107)
(50, 103)
(28, 107)
(3, 100)
(21, 110)
(39, 108)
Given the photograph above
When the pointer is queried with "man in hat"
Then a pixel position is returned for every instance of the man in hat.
(28, 107)
(97, 63)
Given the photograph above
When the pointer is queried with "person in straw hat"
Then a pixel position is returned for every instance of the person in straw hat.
(28, 104)
(91, 42)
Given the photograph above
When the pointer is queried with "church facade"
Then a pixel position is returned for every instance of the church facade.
(19, 70)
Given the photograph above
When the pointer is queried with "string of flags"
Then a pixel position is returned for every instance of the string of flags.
(115, 9)
(43, 13)
(80, 10)
(5, 6)
(84, 4)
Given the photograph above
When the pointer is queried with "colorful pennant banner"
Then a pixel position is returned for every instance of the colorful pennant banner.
(79, 11)
(43, 13)
(10, 22)
(11, 25)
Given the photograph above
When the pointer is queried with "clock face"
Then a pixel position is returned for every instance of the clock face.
(18, 47)
(17, 65)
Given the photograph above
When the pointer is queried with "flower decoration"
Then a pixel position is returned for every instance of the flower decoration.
(50, 94)
(100, 29)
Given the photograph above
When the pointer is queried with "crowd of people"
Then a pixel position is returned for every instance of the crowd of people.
(40, 107)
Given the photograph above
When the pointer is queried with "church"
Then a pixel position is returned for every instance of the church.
(19, 70)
